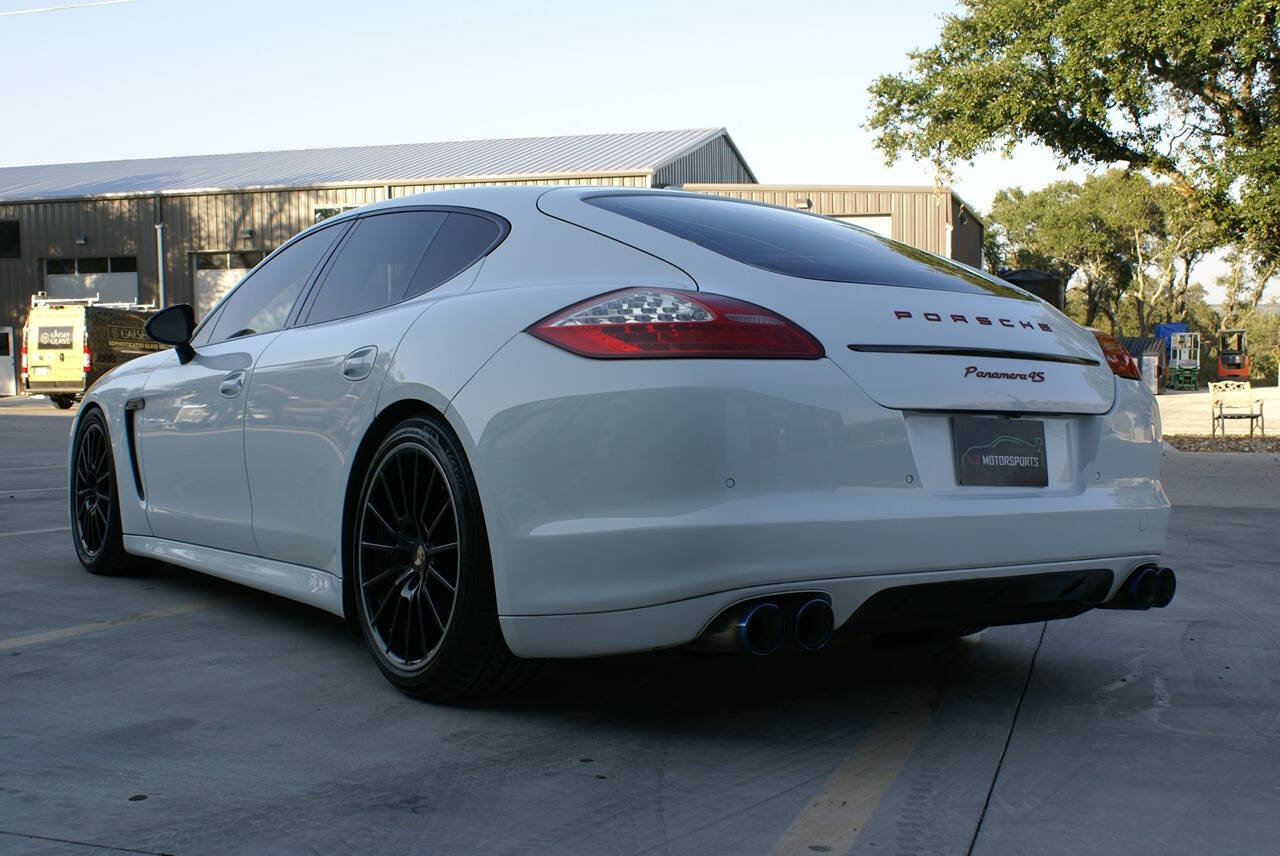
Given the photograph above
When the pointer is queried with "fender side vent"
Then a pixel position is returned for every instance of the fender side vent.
(129, 414)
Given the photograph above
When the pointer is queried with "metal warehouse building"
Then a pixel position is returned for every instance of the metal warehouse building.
(182, 230)
(185, 229)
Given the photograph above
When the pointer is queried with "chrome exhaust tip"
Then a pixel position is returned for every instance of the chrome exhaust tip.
(1139, 591)
(814, 624)
(760, 629)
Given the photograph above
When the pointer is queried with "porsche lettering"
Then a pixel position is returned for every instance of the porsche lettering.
(980, 320)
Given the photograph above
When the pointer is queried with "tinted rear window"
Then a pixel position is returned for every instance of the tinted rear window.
(797, 244)
(462, 240)
(375, 265)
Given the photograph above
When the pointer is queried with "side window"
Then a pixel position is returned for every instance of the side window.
(462, 240)
(375, 264)
(262, 303)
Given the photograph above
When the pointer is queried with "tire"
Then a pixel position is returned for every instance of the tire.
(95, 500)
(422, 578)
(924, 637)
(62, 402)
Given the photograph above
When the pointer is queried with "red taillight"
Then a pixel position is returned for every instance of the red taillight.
(88, 362)
(1122, 364)
(665, 323)
(24, 353)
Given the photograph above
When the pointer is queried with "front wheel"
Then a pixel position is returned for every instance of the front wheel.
(95, 507)
(422, 578)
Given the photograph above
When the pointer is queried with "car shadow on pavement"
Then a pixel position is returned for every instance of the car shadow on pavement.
(851, 680)
(850, 683)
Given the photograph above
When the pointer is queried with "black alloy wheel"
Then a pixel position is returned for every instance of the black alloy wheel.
(409, 556)
(95, 508)
(422, 580)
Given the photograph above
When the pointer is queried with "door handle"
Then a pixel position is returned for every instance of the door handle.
(359, 363)
(232, 384)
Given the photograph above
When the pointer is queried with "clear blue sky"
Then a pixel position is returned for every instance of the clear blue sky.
(165, 77)
(169, 77)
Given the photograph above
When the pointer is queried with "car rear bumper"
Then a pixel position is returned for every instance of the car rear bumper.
(55, 387)
(679, 622)
(619, 485)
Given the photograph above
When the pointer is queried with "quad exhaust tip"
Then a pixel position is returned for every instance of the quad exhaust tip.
(761, 628)
(814, 623)
(797, 621)
(1145, 587)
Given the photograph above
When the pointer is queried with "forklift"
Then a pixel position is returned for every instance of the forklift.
(1233, 355)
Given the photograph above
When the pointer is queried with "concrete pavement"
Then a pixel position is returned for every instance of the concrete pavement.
(1187, 412)
(177, 713)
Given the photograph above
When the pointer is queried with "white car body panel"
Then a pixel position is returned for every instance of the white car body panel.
(191, 447)
(307, 585)
(828, 488)
(304, 422)
(667, 625)
(840, 314)
(628, 502)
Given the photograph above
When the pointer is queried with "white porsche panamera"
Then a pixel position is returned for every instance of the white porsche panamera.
(499, 424)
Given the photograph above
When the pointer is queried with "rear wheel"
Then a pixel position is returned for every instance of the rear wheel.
(62, 402)
(95, 507)
(422, 578)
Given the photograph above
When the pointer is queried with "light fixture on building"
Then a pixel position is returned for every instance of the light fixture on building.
(82, 240)
(246, 234)
(804, 203)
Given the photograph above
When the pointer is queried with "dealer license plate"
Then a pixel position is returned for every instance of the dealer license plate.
(993, 451)
(40, 370)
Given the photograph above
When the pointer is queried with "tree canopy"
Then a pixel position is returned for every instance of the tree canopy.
(1184, 89)
(1129, 244)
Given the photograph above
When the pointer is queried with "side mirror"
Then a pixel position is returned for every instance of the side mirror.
(174, 326)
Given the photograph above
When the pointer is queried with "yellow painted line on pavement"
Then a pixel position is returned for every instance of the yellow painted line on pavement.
(95, 626)
(834, 818)
(34, 531)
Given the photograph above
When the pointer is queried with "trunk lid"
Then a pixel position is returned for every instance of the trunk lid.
(913, 330)
(917, 349)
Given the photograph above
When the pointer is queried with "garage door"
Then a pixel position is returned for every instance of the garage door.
(216, 273)
(111, 279)
(881, 224)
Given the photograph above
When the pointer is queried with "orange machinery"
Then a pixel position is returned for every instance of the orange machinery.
(1233, 355)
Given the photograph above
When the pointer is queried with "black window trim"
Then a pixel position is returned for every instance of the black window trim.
(313, 287)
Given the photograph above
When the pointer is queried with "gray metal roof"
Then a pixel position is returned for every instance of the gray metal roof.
(471, 160)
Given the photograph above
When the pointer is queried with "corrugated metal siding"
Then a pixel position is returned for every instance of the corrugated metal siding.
(216, 221)
(966, 235)
(194, 223)
(920, 215)
(715, 160)
(119, 227)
